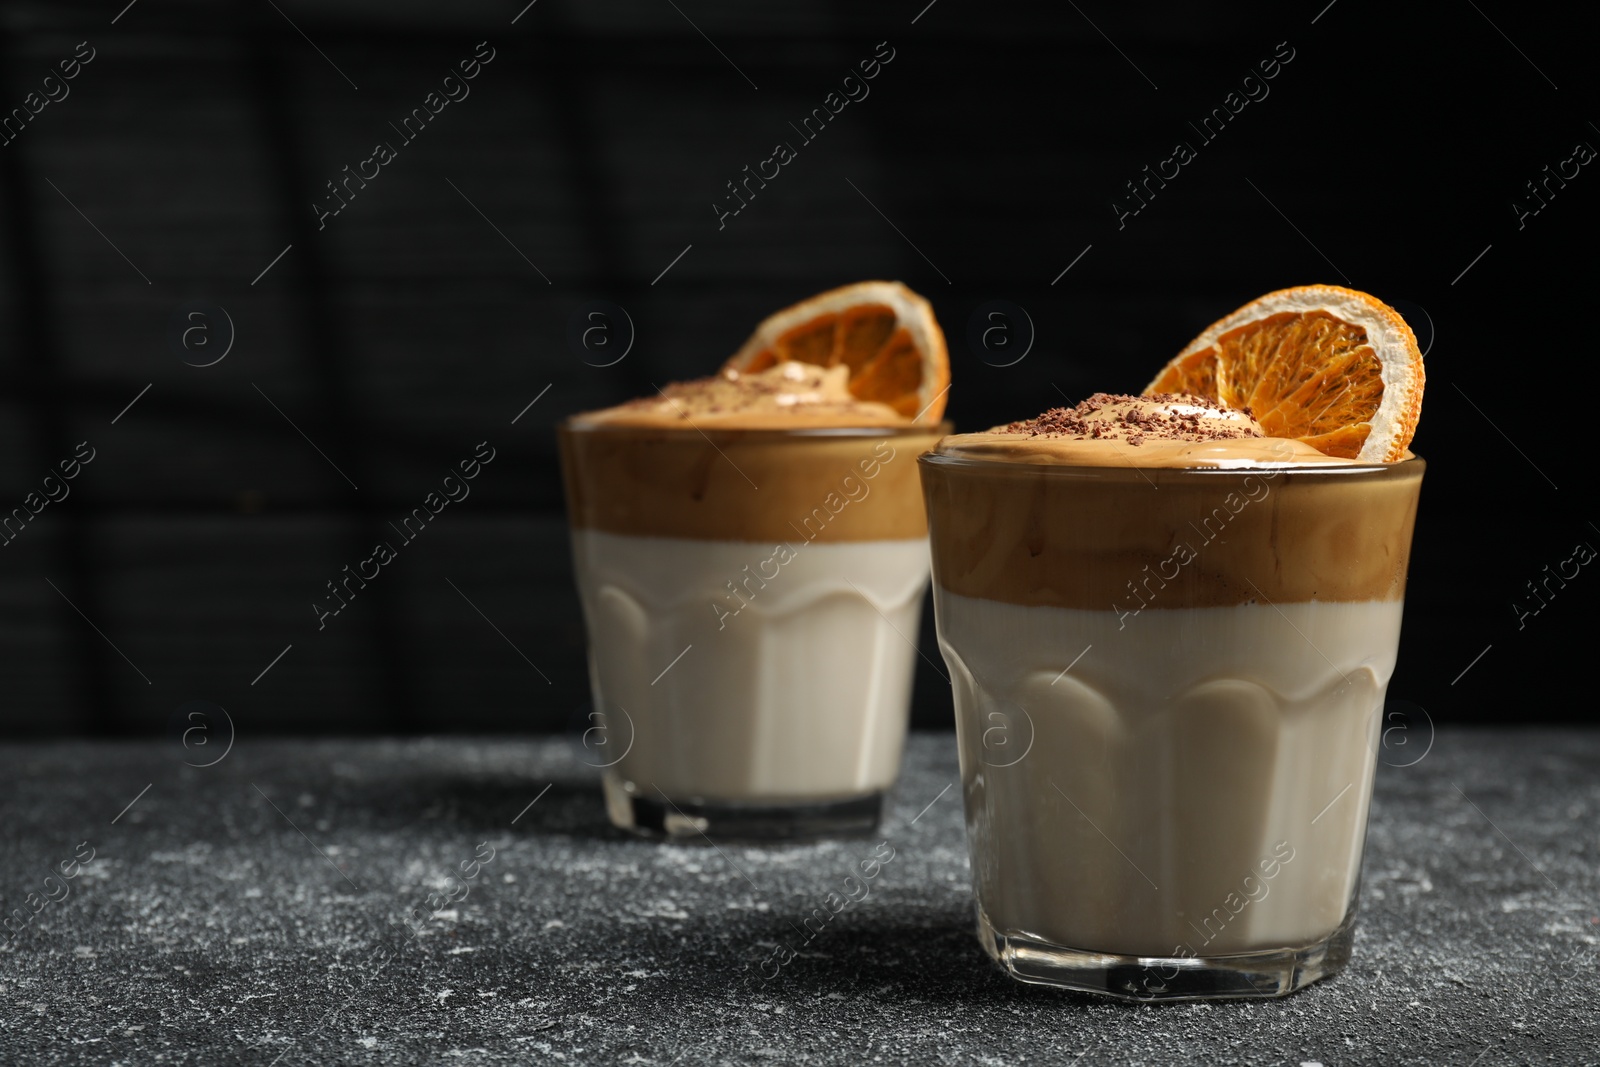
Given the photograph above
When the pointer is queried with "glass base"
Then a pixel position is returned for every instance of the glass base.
(645, 813)
(1270, 973)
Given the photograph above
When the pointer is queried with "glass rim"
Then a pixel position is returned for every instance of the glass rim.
(574, 424)
(1398, 468)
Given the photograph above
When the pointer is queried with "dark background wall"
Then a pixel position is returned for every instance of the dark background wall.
(370, 355)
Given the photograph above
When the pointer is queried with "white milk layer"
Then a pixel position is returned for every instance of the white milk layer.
(740, 671)
(1195, 784)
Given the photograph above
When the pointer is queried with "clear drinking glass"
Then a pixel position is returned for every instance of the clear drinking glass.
(1168, 689)
(752, 600)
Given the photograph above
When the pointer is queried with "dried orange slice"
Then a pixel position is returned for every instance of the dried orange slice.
(1333, 367)
(885, 333)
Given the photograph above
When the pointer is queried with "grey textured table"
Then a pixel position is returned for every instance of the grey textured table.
(256, 912)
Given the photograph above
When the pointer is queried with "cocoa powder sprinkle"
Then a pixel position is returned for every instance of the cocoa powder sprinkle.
(1132, 419)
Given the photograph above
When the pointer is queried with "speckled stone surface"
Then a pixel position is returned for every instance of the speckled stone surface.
(211, 927)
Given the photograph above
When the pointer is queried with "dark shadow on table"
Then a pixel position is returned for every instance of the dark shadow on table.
(899, 952)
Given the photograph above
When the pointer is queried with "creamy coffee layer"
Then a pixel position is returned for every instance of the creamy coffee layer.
(746, 485)
(1128, 503)
(1163, 430)
(1245, 453)
(1131, 539)
(788, 396)
(782, 454)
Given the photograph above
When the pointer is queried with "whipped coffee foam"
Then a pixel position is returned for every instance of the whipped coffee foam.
(1099, 537)
(789, 395)
(1170, 430)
